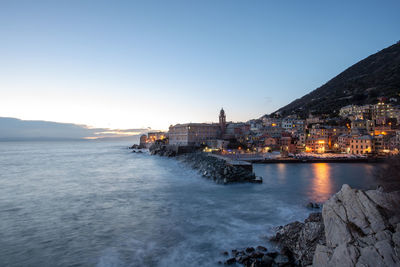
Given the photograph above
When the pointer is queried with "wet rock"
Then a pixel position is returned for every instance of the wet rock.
(257, 254)
(243, 259)
(234, 252)
(282, 260)
(267, 260)
(261, 248)
(230, 261)
(272, 254)
(250, 250)
(299, 240)
(312, 205)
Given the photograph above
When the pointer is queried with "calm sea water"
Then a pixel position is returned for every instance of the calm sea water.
(97, 204)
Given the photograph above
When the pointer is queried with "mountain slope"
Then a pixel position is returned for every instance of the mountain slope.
(375, 76)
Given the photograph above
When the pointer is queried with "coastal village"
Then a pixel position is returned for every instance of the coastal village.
(367, 131)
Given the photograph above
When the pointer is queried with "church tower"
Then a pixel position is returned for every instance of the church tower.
(222, 121)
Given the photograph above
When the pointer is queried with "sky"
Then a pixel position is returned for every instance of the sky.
(139, 64)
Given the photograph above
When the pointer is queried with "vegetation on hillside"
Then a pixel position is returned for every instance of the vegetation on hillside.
(375, 76)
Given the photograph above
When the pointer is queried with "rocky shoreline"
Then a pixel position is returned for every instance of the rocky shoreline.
(216, 169)
(355, 228)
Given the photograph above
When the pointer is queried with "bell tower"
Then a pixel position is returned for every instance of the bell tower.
(222, 121)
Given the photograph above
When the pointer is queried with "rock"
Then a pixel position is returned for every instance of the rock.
(386, 250)
(344, 255)
(242, 259)
(369, 257)
(267, 261)
(282, 260)
(314, 217)
(249, 250)
(312, 205)
(272, 254)
(225, 253)
(301, 239)
(396, 239)
(321, 256)
(359, 229)
(261, 248)
(230, 261)
(217, 169)
(257, 254)
(234, 252)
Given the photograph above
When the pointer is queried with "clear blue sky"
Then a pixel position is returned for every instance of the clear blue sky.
(133, 64)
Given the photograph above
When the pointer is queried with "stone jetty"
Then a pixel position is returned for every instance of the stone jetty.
(218, 169)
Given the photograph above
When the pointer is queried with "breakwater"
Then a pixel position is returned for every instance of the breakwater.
(220, 170)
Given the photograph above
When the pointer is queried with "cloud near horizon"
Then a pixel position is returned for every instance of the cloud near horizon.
(16, 129)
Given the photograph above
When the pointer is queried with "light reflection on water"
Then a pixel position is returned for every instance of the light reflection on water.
(321, 182)
(314, 182)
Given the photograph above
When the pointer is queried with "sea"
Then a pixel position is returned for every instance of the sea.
(93, 203)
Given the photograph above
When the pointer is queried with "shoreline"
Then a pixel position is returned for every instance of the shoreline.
(326, 160)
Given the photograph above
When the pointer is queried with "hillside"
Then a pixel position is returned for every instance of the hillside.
(375, 76)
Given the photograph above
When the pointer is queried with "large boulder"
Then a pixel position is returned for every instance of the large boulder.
(361, 229)
(301, 239)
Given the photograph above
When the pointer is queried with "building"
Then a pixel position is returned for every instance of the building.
(193, 134)
(269, 121)
(291, 124)
(379, 112)
(326, 130)
(382, 143)
(235, 130)
(217, 144)
(313, 119)
(143, 141)
(155, 136)
(382, 112)
(273, 131)
(222, 121)
(316, 144)
(362, 127)
(360, 145)
(355, 112)
(343, 142)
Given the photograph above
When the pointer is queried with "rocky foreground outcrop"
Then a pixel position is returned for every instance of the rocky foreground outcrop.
(362, 228)
(356, 228)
